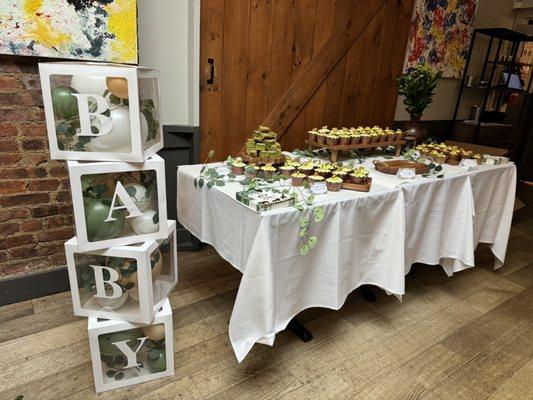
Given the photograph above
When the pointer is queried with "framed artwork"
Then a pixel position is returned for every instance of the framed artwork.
(92, 30)
(440, 35)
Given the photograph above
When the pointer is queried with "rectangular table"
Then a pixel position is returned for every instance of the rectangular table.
(365, 238)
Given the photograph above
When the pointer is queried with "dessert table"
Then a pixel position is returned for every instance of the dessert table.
(364, 238)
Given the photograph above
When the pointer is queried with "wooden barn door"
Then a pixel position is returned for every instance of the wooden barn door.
(297, 64)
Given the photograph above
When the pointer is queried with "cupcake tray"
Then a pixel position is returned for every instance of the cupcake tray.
(346, 147)
(359, 187)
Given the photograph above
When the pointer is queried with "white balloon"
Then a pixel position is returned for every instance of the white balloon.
(89, 84)
(119, 139)
(145, 223)
(140, 198)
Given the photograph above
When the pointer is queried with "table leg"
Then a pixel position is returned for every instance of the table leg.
(334, 154)
(368, 293)
(398, 150)
(299, 330)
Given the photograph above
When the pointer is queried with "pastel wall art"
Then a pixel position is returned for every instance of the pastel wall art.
(440, 35)
(94, 30)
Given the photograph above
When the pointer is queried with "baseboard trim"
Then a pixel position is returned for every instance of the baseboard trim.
(14, 290)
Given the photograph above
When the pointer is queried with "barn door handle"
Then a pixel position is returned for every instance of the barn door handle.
(211, 78)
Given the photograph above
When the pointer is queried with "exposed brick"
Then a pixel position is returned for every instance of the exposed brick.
(31, 82)
(44, 184)
(63, 197)
(31, 225)
(9, 82)
(35, 250)
(33, 130)
(7, 65)
(20, 199)
(6, 215)
(6, 173)
(45, 211)
(7, 187)
(10, 228)
(31, 99)
(34, 158)
(57, 259)
(34, 144)
(11, 159)
(37, 172)
(15, 241)
(8, 130)
(11, 99)
(9, 144)
(58, 170)
(59, 234)
(18, 114)
(15, 268)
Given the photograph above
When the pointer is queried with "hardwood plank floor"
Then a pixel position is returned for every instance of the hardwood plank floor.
(465, 337)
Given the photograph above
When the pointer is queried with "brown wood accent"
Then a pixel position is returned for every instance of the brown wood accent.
(298, 64)
(469, 336)
(392, 166)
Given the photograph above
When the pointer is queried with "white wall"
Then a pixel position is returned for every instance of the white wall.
(490, 14)
(169, 41)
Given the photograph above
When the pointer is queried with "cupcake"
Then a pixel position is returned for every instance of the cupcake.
(399, 134)
(323, 171)
(237, 167)
(345, 139)
(268, 170)
(341, 174)
(313, 135)
(321, 138)
(391, 135)
(359, 176)
(355, 138)
(334, 183)
(297, 179)
(332, 140)
(306, 169)
(251, 171)
(365, 138)
(287, 170)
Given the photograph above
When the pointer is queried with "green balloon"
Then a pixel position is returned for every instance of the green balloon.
(157, 360)
(107, 348)
(65, 105)
(96, 213)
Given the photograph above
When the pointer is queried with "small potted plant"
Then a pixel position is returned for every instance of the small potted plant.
(237, 167)
(334, 183)
(297, 179)
(315, 179)
(418, 87)
(287, 170)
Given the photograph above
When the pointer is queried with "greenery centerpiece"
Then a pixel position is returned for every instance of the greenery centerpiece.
(418, 87)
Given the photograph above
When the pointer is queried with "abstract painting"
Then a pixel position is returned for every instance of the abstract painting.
(440, 35)
(94, 30)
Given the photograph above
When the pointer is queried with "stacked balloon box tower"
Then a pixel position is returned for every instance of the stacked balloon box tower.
(105, 120)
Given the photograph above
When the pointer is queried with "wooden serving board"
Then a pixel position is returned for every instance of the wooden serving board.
(392, 166)
(363, 187)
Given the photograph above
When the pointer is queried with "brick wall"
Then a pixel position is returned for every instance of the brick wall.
(35, 205)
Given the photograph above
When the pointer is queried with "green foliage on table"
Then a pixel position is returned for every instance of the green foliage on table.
(435, 170)
(418, 87)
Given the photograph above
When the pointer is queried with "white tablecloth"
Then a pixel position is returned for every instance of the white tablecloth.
(365, 238)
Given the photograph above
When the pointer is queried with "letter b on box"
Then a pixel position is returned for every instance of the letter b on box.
(101, 112)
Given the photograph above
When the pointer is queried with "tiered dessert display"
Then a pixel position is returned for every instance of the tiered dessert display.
(262, 148)
(122, 263)
(345, 139)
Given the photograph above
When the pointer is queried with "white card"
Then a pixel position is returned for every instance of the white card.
(406, 173)
(319, 188)
(469, 163)
(223, 170)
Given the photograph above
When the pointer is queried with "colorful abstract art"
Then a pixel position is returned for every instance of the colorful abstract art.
(440, 35)
(95, 30)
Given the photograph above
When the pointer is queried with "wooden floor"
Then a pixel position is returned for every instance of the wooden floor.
(465, 337)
